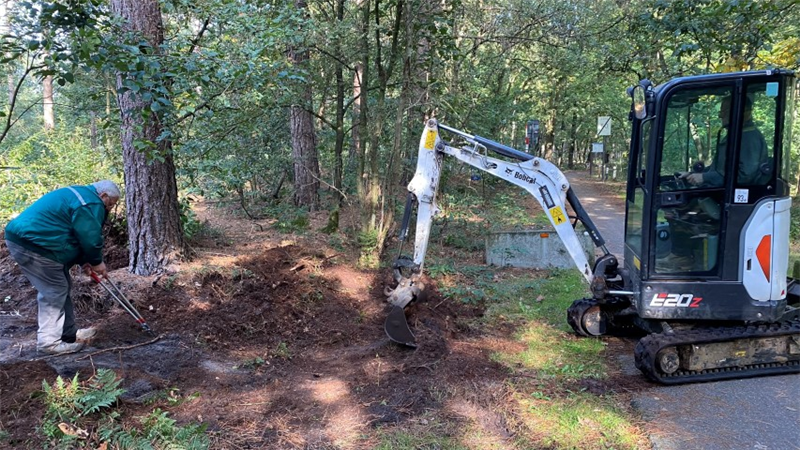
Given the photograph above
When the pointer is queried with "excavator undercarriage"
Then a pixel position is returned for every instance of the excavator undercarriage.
(686, 352)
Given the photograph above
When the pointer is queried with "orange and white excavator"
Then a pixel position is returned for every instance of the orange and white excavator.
(704, 278)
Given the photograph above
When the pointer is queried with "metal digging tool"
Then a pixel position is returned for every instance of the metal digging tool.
(123, 301)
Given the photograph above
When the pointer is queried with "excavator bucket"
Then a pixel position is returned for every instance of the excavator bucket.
(397, 328)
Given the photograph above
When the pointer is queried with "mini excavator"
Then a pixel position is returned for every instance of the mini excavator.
(704, 273)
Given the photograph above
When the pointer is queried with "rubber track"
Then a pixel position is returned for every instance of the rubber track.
(649, 346)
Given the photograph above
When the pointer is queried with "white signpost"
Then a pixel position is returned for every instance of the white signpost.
(604, 125)
(603, 129)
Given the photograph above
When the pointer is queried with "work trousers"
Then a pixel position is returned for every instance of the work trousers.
(53, 283)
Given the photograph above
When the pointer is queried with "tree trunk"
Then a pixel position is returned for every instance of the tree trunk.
(151, 193)
(360, 133)
(110, 93)
(304, 145)
(355, 160)
(338, 169)
(47, 101)
(93, 130)
(5, 7)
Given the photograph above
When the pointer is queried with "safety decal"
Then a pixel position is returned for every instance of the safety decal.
(676, 300)
(430, 139)
(548, 200)
(558, 215)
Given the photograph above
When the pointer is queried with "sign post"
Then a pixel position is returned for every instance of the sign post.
(597, 148)
(532, 136)
(604, 130)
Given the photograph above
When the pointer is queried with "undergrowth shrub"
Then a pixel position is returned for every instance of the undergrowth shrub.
(73, 407)
(47, 161)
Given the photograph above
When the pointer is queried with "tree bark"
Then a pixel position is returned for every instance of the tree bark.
(151, 193)
(356, 157)
(93, 130)
(304, 145)
(338, 170)
(47, 100)
(5, 7)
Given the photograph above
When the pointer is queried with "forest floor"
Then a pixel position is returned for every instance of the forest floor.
(275, 341)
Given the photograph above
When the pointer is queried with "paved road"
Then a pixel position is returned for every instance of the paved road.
(750, 414)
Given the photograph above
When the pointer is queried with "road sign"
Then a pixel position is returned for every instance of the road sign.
(597, 147)
(604, 125)
(531, 135)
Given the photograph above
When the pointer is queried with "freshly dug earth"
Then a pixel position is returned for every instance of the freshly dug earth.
(281, 348)
(271, 343)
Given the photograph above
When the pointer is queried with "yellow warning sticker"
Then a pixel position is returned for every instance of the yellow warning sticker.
(558, 215)
(430, 139)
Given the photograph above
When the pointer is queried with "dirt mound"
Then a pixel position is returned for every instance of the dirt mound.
(287, 341)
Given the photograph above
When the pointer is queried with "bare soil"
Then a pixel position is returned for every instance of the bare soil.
(274, 341)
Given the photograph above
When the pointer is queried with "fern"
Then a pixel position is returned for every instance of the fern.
(71, 401)
(103, 392)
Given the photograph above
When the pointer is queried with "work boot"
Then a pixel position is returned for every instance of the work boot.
(62, 348)
(84, 335)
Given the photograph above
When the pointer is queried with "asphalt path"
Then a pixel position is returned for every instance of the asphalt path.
(748, 414)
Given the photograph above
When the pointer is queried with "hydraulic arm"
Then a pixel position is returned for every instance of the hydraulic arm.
(540, 178)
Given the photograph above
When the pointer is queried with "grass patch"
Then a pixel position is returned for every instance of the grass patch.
(427, 438)
(547, 408)
(578, 421)
(547, 405)
(551, 351)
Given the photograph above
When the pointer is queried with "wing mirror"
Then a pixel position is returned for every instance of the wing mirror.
(638, 101)
(639, 95)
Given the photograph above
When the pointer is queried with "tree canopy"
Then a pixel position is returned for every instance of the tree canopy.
(228, 79)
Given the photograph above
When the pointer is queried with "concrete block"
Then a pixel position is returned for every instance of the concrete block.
(534, 249)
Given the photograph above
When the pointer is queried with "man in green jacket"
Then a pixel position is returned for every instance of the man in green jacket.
(61, 229)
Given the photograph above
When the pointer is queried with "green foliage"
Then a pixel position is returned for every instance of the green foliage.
(69, 401)
(157, 431)
(368, 240)
(189, 223)
(76, 404)
(250, 364)
(282, 351)
(292, 221)
(44, 162)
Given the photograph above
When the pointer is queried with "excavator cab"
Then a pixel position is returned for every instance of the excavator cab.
(708, 197)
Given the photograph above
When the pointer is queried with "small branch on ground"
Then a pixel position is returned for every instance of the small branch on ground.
(127, 347)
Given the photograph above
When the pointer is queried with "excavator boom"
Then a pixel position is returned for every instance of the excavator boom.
(543, 180)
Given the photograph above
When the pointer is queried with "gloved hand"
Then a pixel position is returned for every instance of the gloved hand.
(693, 178)
(99, 269)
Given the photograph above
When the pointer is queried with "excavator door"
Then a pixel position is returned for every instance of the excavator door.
(708, 197)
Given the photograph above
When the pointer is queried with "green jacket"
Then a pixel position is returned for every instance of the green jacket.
(63, 227)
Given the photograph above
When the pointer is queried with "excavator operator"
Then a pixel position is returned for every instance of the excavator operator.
(753, 152)
(701, 217)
